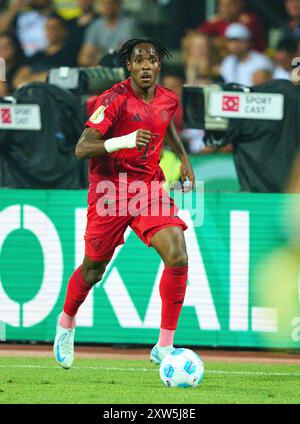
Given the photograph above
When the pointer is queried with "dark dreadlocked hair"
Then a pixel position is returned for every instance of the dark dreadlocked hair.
(125, 52)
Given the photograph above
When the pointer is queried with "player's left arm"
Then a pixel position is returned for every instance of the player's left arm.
(186, 170)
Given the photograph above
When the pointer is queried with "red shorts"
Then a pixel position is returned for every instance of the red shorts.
(104, 233)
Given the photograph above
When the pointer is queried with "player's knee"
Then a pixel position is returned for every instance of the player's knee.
(179, 258)
(93, 275)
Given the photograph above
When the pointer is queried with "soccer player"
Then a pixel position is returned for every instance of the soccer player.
(122, 140)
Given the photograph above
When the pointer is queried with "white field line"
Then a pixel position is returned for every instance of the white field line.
(222, 372)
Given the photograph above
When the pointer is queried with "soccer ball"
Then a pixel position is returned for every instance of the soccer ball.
(181, 368)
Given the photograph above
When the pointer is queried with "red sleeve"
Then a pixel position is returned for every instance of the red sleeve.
(91, 104)
(207, 27)
(215, 28)
(250, 19)
(106, 111)
(254, 24)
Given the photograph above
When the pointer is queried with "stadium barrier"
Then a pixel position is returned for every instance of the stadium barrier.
(217, 170)
(41, 242)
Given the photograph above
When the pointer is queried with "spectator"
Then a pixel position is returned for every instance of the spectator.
(261, 77)
(28, 25)
(11, 52)
(9, 12)
(55, 55)
(3, 6)
(174, 80)
(199, 57)
(80, 24)
(230, 11)
(292, 28)
(67, 9)
(110, 31)
(242, 62)
(286, 51)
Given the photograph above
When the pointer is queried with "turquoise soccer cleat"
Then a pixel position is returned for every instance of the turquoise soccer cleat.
(63, 347)
(158, 353)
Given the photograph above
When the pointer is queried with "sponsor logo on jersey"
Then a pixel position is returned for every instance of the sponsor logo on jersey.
(98, 115)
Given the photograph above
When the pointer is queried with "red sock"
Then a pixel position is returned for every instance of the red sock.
(172, 291)
(77, 291)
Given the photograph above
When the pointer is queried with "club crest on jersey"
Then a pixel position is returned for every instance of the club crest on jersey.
(98, 115)
(164, 115)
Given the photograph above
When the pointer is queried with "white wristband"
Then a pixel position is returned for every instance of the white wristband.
(124, 142)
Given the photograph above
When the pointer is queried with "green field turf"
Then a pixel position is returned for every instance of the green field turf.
(39, 380)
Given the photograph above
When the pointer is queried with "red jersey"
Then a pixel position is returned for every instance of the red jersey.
(120, 111)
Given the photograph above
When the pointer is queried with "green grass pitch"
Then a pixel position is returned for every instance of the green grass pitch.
(40, 380)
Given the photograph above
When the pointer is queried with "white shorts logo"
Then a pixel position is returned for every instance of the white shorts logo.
(98, 115)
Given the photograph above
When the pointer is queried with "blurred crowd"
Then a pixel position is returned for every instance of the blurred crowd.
(231, 46)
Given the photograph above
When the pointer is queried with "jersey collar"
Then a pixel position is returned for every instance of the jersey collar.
(128, 81)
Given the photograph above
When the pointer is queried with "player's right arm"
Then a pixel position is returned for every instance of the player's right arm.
(92, 143)
(95, 139)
